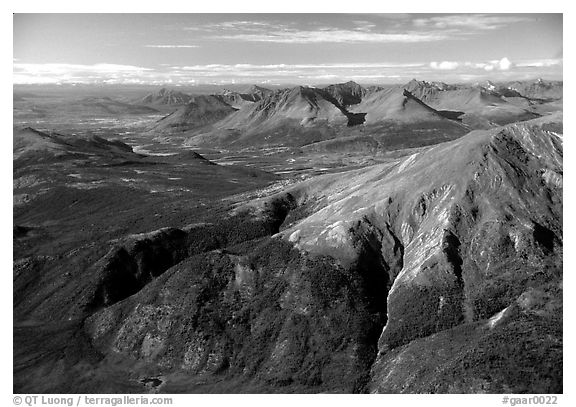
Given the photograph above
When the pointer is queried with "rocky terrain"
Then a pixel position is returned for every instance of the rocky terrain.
(244, 98)
(347, 94)
(166, 97)
(426, 258)
(495, 104)
(539, 89)
(198, 112)
(347, 116)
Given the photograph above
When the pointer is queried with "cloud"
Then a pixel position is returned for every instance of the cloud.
(234, 25)
(363, 31)
(496, 69)
(110, 73)
(444, 65)
(363, 25)
(58, 73)
(68, 68)
(172, 46)
(540, 63)
(504, 64)
(328, 35)
(232, 67)
(372, 72)
(470, 21)
(243, 25)
(309, 73)
(392, 29)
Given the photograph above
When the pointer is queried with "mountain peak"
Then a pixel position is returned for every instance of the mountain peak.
(347, 94)
(199, 111)
(415, 81)
(256, 88)
(166, 96)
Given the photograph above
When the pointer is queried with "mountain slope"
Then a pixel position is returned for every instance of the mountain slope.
(108, 106)
(539, 89)
(200, 111)
(294, 116)
(34, 146)
(304, 116)
(453, 248)
(303, 104)
(235, 99)
(477, 102)
(398, 105)
(258, 92)
(239, 99)
(349, 93)
(166, 97)
(475, 242)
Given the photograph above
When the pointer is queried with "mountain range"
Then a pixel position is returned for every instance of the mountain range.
(337, 239)
(312, 114)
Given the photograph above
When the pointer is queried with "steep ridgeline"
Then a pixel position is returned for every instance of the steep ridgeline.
(241, 99)
(481, 106)
(166, 97)
(469, 235)
(539, 89)
(199, 112)
(394, 119)
(304, 104)
(257, 92)
(439, 272)
(416, 114)
(397, 104)
(235, 99)
(347, 94)
(290, 116)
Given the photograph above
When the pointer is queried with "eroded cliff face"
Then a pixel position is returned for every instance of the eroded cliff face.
(479, 221)
(434, 273)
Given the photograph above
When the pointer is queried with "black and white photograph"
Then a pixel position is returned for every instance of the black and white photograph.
(303, 203)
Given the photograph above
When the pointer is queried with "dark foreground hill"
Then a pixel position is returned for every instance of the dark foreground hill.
(437, 272)
(31, 146)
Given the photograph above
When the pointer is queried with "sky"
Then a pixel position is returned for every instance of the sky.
(188, 49)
